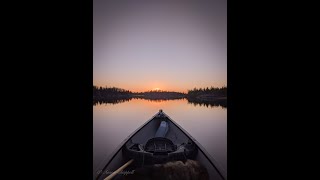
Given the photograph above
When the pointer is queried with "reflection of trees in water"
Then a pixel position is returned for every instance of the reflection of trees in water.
(195, 102)
(117, 101)
(203, 96)
(110, 101)
(158, 99)
(215, 103)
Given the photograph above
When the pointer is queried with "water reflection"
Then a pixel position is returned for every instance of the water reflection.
(159, 98)
(113, 122)
(216, 103)
(110, 101)
(221, 103)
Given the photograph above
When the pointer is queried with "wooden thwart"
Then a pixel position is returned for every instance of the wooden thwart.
(119, 170)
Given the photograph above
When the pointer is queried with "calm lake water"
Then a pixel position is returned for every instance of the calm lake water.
(112, 123)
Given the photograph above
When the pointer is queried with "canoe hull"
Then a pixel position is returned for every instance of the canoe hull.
(175, 133)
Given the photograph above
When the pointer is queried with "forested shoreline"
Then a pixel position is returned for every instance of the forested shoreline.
(206, 96)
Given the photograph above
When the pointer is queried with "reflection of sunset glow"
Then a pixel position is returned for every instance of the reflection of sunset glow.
(112, 123)
(150, 105)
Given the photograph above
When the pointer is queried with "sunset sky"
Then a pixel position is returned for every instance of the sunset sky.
(169, 45)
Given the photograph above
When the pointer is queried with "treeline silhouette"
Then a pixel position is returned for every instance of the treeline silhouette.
(159, 94)
(108, 93)
(212, 96)
(213, 91)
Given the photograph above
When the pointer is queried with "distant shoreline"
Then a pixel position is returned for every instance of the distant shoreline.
(206, 96)
(216, 101)
(203, 97)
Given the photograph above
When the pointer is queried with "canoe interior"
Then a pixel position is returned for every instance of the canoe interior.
(175, 133)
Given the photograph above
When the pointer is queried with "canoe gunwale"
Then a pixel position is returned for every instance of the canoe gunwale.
(119, 147)
(213, 162)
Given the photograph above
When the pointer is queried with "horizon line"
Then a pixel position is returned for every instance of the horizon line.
(106, 86)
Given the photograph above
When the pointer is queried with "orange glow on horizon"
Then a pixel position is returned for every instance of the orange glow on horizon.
(137, 87)
(155, 86)
(143, 88)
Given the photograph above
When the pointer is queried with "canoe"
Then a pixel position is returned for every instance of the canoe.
(157, 141)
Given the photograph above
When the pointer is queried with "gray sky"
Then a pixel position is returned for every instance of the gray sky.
(171, 45)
